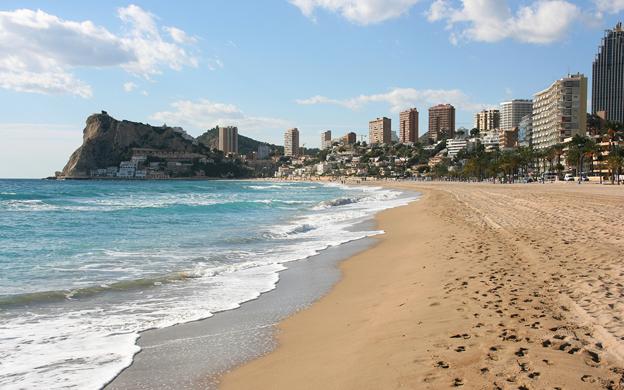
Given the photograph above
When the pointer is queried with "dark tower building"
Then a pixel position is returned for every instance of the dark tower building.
(608, 76)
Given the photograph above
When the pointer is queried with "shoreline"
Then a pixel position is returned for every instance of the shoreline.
(464, 289)
(195, 354)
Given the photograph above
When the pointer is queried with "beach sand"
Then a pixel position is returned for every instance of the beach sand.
(475, 285)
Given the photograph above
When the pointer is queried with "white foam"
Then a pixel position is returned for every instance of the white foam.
(85, 347)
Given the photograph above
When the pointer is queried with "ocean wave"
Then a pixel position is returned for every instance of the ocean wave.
(89, 337)
(335, 203)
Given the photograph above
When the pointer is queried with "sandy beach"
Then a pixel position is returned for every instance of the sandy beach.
(475, 285)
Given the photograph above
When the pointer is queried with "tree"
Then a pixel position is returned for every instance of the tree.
(474, 133)
(614, 164)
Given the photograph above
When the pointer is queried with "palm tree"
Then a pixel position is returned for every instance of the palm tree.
(614, 164)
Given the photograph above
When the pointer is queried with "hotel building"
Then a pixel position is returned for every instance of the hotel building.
(560, 111)
(326, 139)
(441, 122)
(350, 138)
(408, 126)
(525, 128)
(608, 77)
(291, 142)
(228, 139)
(379, 131)
(487, 120)
(512, 112)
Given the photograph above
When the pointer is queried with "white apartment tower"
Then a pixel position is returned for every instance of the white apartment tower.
(560, 111)
(512, 112)
(291, 142)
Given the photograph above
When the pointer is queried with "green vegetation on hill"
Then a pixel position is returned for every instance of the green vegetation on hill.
(245, 144)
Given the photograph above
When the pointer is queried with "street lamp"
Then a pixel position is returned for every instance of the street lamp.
(580, 166)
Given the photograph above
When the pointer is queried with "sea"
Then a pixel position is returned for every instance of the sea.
(85, 266)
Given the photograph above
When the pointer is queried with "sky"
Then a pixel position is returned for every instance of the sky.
(269, 65)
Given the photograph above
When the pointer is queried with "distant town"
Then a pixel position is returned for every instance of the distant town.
(549, 137)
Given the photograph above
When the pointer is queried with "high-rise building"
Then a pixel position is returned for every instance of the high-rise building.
(408, 126)
(291, 142)
(487, 120)
(508, 139)
(512, 111)
(441, 122)
(228, 139)
(608, 76)
(326, 139)
(379, 131)
(560, 111)
(350, 138)
(525, 128)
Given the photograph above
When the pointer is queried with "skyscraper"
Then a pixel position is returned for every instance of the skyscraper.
(487, 120)
(560, 111)
(512, 112)
(608, 76)
(228, 139)
(441, 121)
(408, 126)
(379, 131)
(291, 142)
(326, 139)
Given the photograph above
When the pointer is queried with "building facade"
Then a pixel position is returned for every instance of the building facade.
(487, 120)
(525, 128)
(508, 139)
(291, 142)
(511, 113)
(408, 126)
(228, 139)
(608, 77)
(326, 139)
(350, 138)
(379, 131)
(441, 122)
(560, 111)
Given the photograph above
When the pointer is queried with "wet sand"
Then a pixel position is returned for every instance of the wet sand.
(480, 286)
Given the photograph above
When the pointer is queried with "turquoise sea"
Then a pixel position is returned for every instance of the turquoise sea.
(86, 265)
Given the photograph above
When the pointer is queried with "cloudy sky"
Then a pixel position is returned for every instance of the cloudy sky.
(269, 65)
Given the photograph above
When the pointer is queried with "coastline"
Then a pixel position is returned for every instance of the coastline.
(195, 354)
(465, 289)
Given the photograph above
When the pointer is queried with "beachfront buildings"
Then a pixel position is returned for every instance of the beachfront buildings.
(228, 139)
(508, 139)
(441, 122)
(608, 77)
(513, 111)
(291, 142)
(349, 139)
(326, 139)
(408, 126)
(379, 131)
(560, 111)
(487, 120)
(525, 128)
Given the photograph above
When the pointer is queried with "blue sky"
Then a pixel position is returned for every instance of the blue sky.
(269, 65)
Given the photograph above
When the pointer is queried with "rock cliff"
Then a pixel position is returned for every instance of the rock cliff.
(107, 141)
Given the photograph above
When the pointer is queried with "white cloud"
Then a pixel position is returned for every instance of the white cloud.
(402, 98)
(180, 36)
(541, 22)
(609, 6)
(38, 50)
(358, 11)
(129, 86)
(204, 114)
